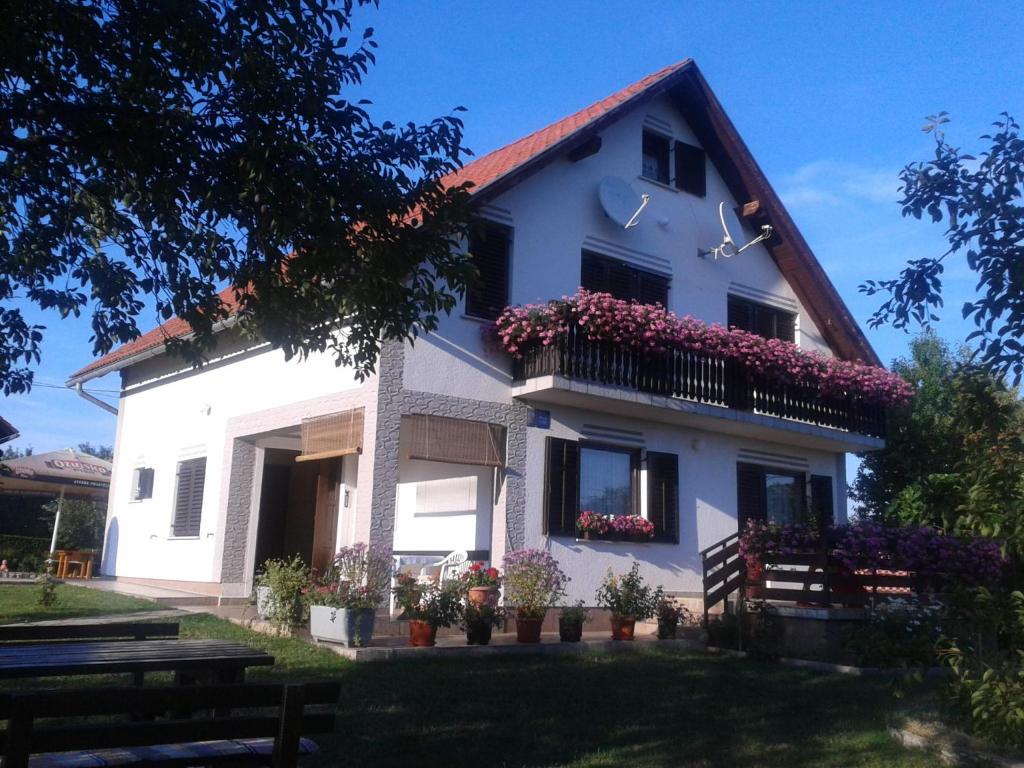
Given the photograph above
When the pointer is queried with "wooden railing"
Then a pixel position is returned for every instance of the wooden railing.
(813, 578)
(700, 378)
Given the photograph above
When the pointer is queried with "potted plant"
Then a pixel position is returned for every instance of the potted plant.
(571, 621)
(761, 541)
(280, 590)
(343, 602)
(669, 615)
(592, 525)
(629, 598)
(478, 620)
(427, 607)
(632, 528)
(533, 581)
(481, 585)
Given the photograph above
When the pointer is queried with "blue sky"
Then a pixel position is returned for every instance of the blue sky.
(829, 97)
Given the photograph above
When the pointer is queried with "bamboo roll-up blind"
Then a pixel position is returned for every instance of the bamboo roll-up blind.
(335, 434)
(456, 441)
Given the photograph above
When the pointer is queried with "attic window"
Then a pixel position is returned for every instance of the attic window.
(656, 150)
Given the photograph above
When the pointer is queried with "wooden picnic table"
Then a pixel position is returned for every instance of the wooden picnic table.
(217, 660)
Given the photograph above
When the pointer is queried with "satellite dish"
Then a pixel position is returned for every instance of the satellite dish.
(731, 228)
(620, 202)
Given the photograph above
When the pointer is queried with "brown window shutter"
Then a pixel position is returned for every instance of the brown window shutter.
(822, 502)
(489, 250)
(751, 501)
(663, 495)
(785, 326)
(188, 499)
(561, 487)
(602, 274)
(691, 169)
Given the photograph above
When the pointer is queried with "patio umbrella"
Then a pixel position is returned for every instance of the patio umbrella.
(58, 473)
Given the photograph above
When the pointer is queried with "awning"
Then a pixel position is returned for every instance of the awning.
(335, 434)
(456, 441)
(7, 430)
(73, 472)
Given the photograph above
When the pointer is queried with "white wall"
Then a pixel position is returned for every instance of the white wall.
(166, 417)
(707, 498)
(555, 214)
(443, 507)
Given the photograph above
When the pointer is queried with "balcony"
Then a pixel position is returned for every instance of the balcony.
(575, 370)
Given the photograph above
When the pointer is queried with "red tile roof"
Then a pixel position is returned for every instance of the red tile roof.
(485, 172)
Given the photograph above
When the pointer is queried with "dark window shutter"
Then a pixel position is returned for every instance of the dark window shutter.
(691, 169)
(653, 289)
(769, 322)
(740, 315)
(663, 495)
(562, 487)
(751, 501)
(145, 488)
(822, 502)
(785, 326)
(605, 275)
(487, 296)
(593, 273)
(188, 499)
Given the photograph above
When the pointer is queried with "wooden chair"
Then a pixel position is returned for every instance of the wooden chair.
(50, 633)
(243, 724)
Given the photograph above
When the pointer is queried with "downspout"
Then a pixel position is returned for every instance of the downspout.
(94, 400)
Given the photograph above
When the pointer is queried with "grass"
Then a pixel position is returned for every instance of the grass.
(19, 602)
(649, 709)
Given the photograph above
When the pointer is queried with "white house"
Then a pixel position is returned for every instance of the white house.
(453, 445)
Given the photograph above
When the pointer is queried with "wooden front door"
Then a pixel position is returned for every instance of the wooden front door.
(325, 522)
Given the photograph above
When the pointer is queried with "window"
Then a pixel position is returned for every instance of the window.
(655, 157)
(769, 322)
(606, 479)
(691, 169)
(142, 483)
(188, 497)
(489, 249)
(780, 496)
(607, 275)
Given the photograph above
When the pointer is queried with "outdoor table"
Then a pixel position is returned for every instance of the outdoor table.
(218, 660)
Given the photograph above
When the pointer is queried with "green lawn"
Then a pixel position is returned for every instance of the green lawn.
(21, 603)
(662, 707)
(658, 708)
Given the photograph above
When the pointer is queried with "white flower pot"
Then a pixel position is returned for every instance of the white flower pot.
(351, 628)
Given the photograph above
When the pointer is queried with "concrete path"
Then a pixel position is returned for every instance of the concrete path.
(170, 597)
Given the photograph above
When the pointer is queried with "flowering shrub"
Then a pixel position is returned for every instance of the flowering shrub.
(944, 560)
(628, 596)
(438, 605)
(533, 581)
(899, 632)
(760, 540)
(478, 576)
(652, 328)
(592, 522)
(358, 579)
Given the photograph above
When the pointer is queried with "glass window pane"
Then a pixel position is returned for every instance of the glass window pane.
(606, 482)
(783, 495)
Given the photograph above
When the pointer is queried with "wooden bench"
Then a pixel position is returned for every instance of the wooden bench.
(51, 633)
(251, 724)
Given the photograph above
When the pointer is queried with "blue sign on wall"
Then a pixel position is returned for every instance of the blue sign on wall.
(539, 419)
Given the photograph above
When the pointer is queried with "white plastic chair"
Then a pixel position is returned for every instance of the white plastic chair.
(453, 566)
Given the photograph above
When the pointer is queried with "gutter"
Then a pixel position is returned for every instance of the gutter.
(94, 400)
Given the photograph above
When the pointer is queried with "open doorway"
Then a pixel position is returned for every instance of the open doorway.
(298, 512)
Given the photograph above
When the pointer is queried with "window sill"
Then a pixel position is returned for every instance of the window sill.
(614, 542)
(184, 538)
(476, 319)
(660, 184)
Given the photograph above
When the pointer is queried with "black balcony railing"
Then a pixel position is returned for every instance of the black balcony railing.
(696, 377)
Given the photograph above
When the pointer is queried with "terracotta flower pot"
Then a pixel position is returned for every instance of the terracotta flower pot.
(422, 634)
(755, 577)
(623, 628)
(528, 628)
(569, 630)
(483, 596)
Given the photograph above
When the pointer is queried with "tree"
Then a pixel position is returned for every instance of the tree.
(15, 453)
(982, 204)
(162, 151)
(104, 452)
(954, 456)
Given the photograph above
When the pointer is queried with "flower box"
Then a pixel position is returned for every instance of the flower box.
(344, 626)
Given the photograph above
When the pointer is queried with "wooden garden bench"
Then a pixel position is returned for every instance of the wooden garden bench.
(51, 633)
(237, 724)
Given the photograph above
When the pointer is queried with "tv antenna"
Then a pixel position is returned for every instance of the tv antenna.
(728, 247)
(620, 202)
